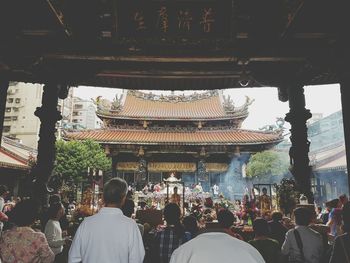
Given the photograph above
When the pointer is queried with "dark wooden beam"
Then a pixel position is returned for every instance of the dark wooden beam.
(292, 17)
(345, 95)
(48, 115)
(299, 158)
(58, 15)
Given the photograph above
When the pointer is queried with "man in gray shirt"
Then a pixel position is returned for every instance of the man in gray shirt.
(302, 243)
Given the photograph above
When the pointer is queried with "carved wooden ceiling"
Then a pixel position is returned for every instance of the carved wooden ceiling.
(178, 44)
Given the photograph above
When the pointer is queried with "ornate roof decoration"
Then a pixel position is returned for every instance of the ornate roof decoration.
(209, 105)
(145, 137)
(173, 98)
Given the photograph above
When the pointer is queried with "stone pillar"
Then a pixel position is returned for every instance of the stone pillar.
(48, 115)
(345, 93)
(114, 166)
(4, 84)
(299, 158)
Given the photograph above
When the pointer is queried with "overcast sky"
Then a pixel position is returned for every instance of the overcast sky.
(265, 108)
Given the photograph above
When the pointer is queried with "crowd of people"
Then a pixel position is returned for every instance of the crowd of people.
(114, 235)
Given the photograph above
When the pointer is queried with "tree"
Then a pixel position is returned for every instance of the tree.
(74, 157)
(265, 164)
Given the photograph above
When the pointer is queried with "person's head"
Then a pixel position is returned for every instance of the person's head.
(175, 190)
(172, 213)
(277, 216)
(190, 224)
(114, 192)
(128, 207)
(264, 190)
(343, 199)
(303, 216)
(260, 227)
(55, 211)
(226, 218)
(54, 199)
(319, 210)
(3, 190)
(346, 217)
(24, 213)
(333, 203)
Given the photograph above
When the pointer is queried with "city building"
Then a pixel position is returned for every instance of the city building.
(328, 157)
(83, 115)
(197, 137)
(20, 123)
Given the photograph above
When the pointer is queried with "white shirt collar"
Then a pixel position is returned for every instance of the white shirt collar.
(111, 210)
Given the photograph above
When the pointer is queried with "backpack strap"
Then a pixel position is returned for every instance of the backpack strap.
(299, 243)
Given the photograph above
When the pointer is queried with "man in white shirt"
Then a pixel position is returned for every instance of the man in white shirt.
(216, 247)
(311, 241)
(108, 236)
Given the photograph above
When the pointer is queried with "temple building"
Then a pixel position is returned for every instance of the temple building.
(197, 137)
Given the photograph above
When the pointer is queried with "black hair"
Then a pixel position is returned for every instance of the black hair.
(3, 189)
(303, 216)
(190, 224)
(260, 227)
(53, 210)
(114, 191)
(25, 213)
(54, 199)
(277, 216)
(226, 218)
(128, 207)
(172, 214)
(333, 203)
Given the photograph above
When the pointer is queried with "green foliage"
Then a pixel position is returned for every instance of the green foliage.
(267, 163)
(74, 157)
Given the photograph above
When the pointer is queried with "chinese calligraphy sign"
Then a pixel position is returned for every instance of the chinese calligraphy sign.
(189, 19)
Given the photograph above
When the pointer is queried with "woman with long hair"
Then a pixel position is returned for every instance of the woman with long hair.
(53, 231)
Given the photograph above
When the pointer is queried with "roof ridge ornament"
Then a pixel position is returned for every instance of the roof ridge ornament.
(172, 97)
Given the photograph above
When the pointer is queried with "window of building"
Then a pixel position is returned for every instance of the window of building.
(18, 100)
(7, 118)
(75, 121)
(9, 100)
(75, 113)
(8, 110)
(7, 129)
(78, 106)
(15, 109)
(14, 118)
(22, 126)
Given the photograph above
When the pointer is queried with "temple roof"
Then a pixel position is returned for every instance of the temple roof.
(330, 158)
(210, 105)
(145, 137)
(15, 155)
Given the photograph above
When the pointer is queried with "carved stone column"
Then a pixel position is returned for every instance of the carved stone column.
(48, 115)
(114, 166)
(299, 158)
(4, 84)
(345, 95)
